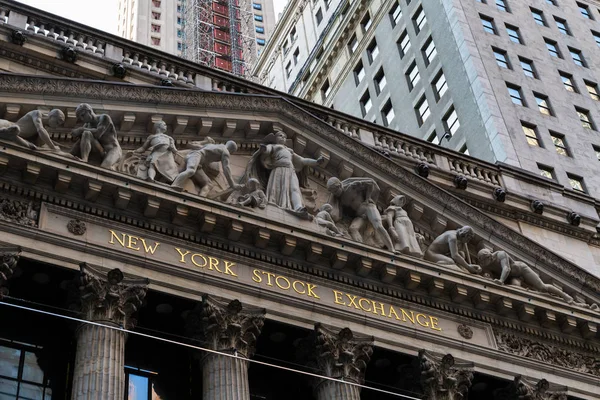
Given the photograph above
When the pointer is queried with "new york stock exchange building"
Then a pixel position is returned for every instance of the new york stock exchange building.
(172, 232)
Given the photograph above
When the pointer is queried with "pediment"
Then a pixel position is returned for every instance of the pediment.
(192, 115)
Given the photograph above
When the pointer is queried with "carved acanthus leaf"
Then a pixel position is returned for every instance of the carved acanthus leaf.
(19, 212)
(523, 389)
(9, 256)
(442, 378)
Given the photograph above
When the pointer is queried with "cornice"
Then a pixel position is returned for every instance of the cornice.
(485, 226)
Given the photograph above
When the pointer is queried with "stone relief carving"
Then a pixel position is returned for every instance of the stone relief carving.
(76, 227)
(356, 198)
(549, 354)
(97, 136)
(161, 155)
(324, 219)
(9, 256)
(441, 379)
(401, 228)
(254, 196)
(465, 331)
(276, 166)
(19, 212)
(523, 389)
(450, 248)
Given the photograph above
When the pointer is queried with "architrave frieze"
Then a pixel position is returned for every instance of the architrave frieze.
(484, 225)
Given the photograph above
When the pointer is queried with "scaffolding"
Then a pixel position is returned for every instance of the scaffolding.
(220, 34)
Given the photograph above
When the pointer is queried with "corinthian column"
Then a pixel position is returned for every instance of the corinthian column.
(340, 355)
(442, 378)
(230, 328)
(9, 256)
(110, 300)
(522, 388)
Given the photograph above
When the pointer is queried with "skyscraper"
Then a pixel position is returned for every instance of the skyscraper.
(506, 81)
(227, 35)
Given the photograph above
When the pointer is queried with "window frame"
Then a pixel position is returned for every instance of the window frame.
(543, 103)
(561, 148)
(516, 37)
(452, 128)
(530, 72)
(533, 139)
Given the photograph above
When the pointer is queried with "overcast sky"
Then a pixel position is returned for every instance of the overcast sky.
(100, 14)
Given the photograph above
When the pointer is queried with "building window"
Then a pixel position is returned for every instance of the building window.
(156, 3)
(179, 46)
(596, 37)
(439, 85)
(530, 132)
(501, 58)
(257, 6)
(20, 375)
(433, 138)
(296, 55)
(359, 73)
(429, 51)
(585, 118)
(568, 83)
(366, 22)
(258, 18)
(546, 172)
(419, 20)
(155, 15)
(179, 8)
(319, 16)
(464, 150)
(140, 385)
(584, 10)
(513, 34)
(387, 113)
(412, 75)
(380, 81)
(372, 51)
(179, 33)
(403, 44)
(551, 2)
(597, 151)
(552, 47)
(576, 183)
(422, 109)
(543, 103)
(293, 35)
(562, 26)
(260, 29)
(260, 41)
(365, 103)
(538, 17)
(178, 20)
(155, 41)
(528, 68)
(559, 144)
(353, 44)
(592, 89)
(488, 24)
(285, 47)
(288, 69)
(577, 57)
(502, 6)
(325, 89)
(450, 121)
(395, 14)
(155, 28)
(515, 94)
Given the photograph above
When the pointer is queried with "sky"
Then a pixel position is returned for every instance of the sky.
(100, 14)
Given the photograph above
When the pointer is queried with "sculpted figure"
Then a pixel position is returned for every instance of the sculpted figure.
(357, 196)
(203, 154)
(98, 134)
(255, 196)
(276, 166)
(500, 261)
(324, 219)
(401, 228)
(162, 155)
(446, 249)
(30, 128)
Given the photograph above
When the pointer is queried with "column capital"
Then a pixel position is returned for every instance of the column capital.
(342, 354)
(108, 296)
(9, 256)
(224, 325)
(442, 378)
(523, 388)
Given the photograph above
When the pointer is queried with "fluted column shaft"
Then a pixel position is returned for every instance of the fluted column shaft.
(224, 378)
(99, 364)
(332, 390)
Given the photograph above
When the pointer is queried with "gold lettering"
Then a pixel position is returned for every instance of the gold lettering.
(310, 291)
(182, 254)
(286, 281)
(201, 256)
(296, 289)
(256, 278)
(426, 323)
(411, 317)
(214, 263)
(338, 297)
(114, 236)
(352, 301)
(148, 248)
(133, 242)
(228, 271)
(381, 308)
(360, 302)
(269, 276)
(393, 311)
(434, 322)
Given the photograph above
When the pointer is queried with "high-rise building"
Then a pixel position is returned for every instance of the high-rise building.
(227, 35)
(506, 81)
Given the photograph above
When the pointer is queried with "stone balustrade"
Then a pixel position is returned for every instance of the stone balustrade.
(474, 170)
